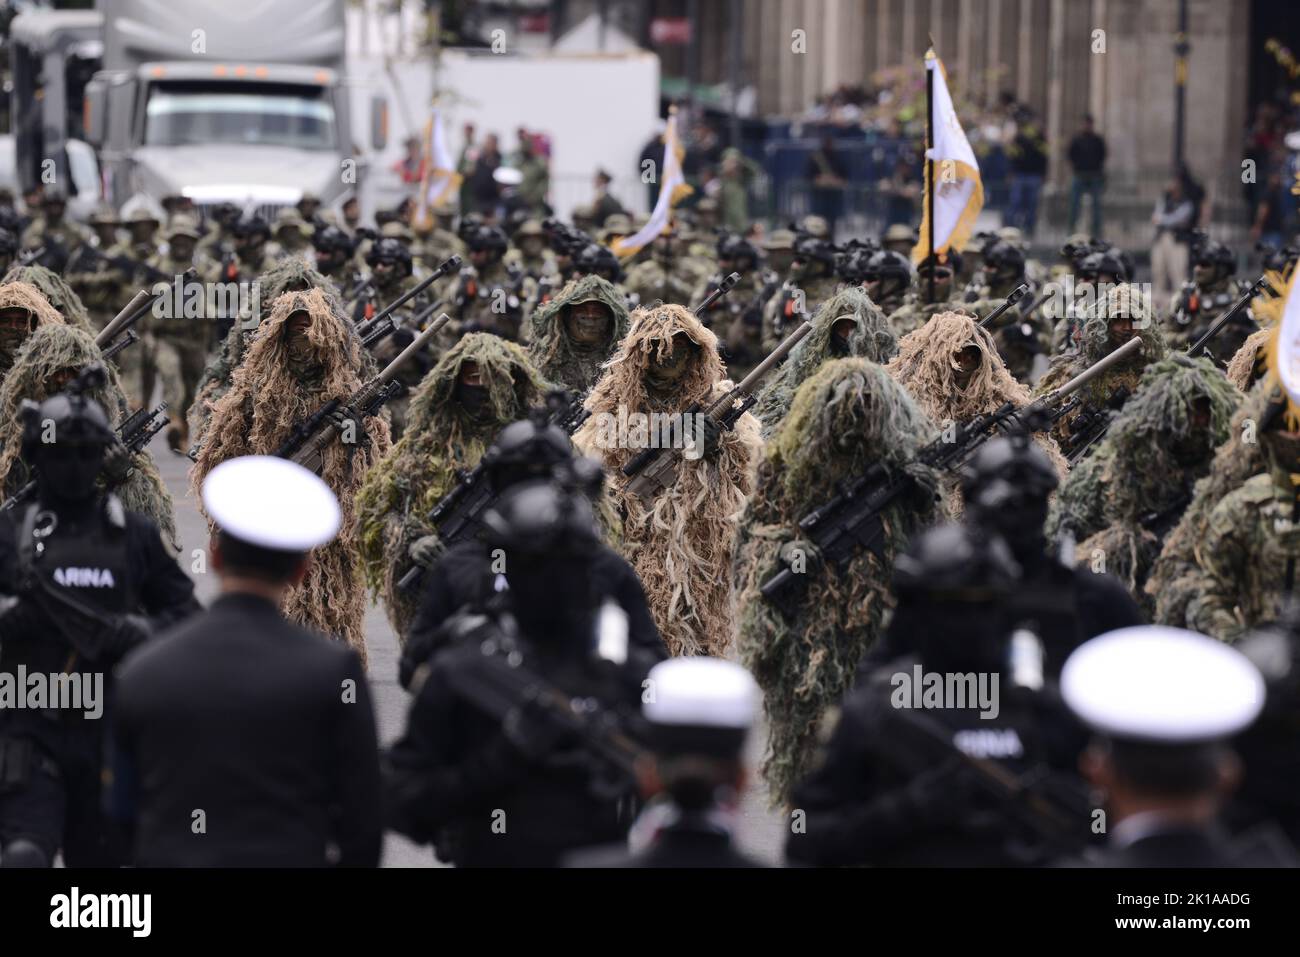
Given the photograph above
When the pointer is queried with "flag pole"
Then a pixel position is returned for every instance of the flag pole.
(929, 161)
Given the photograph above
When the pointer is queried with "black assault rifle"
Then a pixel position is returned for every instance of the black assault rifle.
(1016, 295)
(855, 518)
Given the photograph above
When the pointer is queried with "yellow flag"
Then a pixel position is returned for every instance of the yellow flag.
(958, 192)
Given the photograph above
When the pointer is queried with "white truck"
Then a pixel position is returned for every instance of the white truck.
(236, 102)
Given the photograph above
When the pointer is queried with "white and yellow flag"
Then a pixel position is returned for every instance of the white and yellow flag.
(440, 179)
(958, 193)
(1284, 351)
(672, 190)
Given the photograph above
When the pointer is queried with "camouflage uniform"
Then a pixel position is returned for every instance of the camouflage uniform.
(497, 300)
(59, 232)
(737, 318)
(95, 281)
(374, 300)
(557, 357)
(662, 279)
(1124, 499)
(783, 312)
(138, 363)
(1194, 310)
(535, 266)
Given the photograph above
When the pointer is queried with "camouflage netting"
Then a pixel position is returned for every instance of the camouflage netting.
(1171, 583)
(52, 348)
(926, 367)
(265, 402)
(871, 339)
(1146, 465)
(289, 274)
(683, 541)
(848, 416)
(551, 348)
(57, 292)
(1249, 358)
(440, 439)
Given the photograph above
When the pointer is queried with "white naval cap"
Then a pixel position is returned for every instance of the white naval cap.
(271, 503)
(507, 176)
(701, 692)
(1162, 685)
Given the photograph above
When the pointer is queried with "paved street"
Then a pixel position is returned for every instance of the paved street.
(761, 830)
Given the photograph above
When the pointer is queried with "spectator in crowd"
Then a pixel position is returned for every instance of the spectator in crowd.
(1087, 154)
(827, 175)
(480, 191)
(604, 205)
(734, 178)
(1195, 193)
(902, 193)
(1269, 226)
(1027, 159)
(536, 182)
(1174, 219)
(411, 166)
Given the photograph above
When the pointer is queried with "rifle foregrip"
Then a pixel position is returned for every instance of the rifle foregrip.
(640, 461)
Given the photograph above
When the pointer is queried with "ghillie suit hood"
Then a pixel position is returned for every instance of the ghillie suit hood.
(871, 339)
(21, 295)
(290, 274)
(848, 416)
(925, 366)
(265, 402)
(51, 348)
(1137, 471)
(440, 438)
(550, 347)
(1171, 585)
(1250, 358)
(56, 292)
(682, 542)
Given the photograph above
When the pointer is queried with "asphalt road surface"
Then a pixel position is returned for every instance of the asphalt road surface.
(761, 830)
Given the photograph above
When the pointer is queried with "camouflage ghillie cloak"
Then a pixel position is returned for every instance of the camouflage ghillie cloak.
(551, 349)
(265, 402)
(1171, 584)
(913, 314)
(21, 295)
(683, 541)
(51, 348)
(1247, 366)
(1096, 345)
(56, 292)
(848, 416)
(440, 439)
(290, 274)
(925, 366)
(871, 339)
(1122, 499)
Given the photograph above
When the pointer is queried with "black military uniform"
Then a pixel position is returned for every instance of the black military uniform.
(487, 773)
(900, 784)
(263, 725)
(82, 581)
(463, 575)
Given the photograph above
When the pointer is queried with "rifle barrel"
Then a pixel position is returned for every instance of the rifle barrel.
(1260, 283)
(724, 287)
(1016, 295)
(390, 371)
(443, 268)
(1094, 370)
(123, 318)
(775, 356)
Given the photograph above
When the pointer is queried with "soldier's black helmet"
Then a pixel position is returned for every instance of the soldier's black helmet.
(956, 562)
(1004, 258)
(1274, 259)
(542, 521)
(1211, 253)
(808, 248)
(253, 226)
(525, 450)
(225, 213)
(331, 239)
(488, 238)
(951, 259)
(1004, 467)
(469, 223)
(733, 248)
(889, 264)
(1104, 264)
(853, 257)
(64, 437)
(595, 259)
(389, 250)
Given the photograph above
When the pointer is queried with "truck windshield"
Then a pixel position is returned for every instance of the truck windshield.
(242, 114)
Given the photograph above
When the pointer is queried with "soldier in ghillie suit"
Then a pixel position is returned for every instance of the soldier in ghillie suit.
(51, 358)
(56, 292)
(849, 416)
(477, 388)
(1250, 364)
(847, 324)
(1122, 501)
(1124, 313)
(682, 540)
(301, 357)
(1252, 539)
(288, 275)
(952, 368)
(23, 310)
(573, 335)
(666, 276)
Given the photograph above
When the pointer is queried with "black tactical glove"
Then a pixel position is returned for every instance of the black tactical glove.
(712, 438)
(417, 651)
(117, 464)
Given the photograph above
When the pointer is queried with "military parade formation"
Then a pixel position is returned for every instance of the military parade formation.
(623, 508)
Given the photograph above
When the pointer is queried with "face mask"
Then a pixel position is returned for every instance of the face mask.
(473, 398)
(67, 471)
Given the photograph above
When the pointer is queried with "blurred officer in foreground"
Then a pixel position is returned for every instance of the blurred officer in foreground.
(265, 726)
(698, 719)
(1163, 704)
(82, 582)
(517, 748)
(955, 753)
